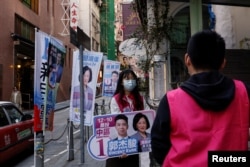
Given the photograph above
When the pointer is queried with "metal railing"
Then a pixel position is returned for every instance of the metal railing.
(101, 109)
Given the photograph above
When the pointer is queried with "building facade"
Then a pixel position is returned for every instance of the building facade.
(19, 20)
(190, 16)
(228, 22)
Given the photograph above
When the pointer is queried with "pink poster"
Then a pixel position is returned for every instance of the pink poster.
(117, 134)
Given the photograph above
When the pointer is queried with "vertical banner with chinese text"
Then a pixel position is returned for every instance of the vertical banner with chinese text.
(130, 20)
(49, 55)
(56, 56)
(110, 77)
(74, 14)
(90, 70)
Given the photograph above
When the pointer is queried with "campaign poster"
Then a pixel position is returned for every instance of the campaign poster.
(110, 77)
(108, 140)
(56, 56)
(46, 81)
(91, 66)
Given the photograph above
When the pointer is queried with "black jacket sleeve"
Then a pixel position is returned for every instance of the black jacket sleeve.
(160, 132)
(248, 89)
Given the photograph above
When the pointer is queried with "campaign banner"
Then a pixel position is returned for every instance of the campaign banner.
(130, 20)
(47, 52)
(90, 70)
(56, 56)
(110, 77)
(117, 134)
(74, 14)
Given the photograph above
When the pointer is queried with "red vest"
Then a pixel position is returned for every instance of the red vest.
(195, 131)
(124, 106)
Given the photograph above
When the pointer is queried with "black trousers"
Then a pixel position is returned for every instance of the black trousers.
(129, 161)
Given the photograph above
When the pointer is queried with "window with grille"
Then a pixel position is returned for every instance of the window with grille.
(32, 4)
(24, 28)
(95, 24)
(95, 45)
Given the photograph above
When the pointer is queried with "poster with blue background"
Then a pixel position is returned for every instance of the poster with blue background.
(49, 60)
(111, 71)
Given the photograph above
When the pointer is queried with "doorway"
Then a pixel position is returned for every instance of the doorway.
(24, 72)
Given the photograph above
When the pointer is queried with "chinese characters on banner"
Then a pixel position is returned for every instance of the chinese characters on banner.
(110, 79)
(74, 14)
(49, 57)
(91, 66)
(130, 20)
(106, 140)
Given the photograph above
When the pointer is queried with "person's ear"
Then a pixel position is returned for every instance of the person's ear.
(187, 60)
(188, 64)
(223, 64)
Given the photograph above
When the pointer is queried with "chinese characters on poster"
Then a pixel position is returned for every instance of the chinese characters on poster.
(109, 140)
(90, 69)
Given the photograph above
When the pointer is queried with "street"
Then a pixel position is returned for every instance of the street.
(56, 153)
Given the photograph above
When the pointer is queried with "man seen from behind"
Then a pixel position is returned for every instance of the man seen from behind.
(208, 112)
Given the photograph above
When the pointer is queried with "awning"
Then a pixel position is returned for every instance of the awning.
(23, 46)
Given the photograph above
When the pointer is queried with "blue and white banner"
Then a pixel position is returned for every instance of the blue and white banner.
(49, 60)
(111, 71)
(90, 70)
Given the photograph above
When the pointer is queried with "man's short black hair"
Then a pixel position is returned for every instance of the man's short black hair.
(115, 72)
(206, 50)
(121, 116)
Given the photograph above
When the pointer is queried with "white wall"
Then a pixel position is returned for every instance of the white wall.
(233, 23)
(84, 18)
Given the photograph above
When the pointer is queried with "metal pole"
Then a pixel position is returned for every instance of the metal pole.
(103, 107)
(81, 104)
(39, 137)
(39, 149)
(71, 141)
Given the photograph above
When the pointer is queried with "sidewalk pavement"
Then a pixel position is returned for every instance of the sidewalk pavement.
(66, 103)
(88, 160)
